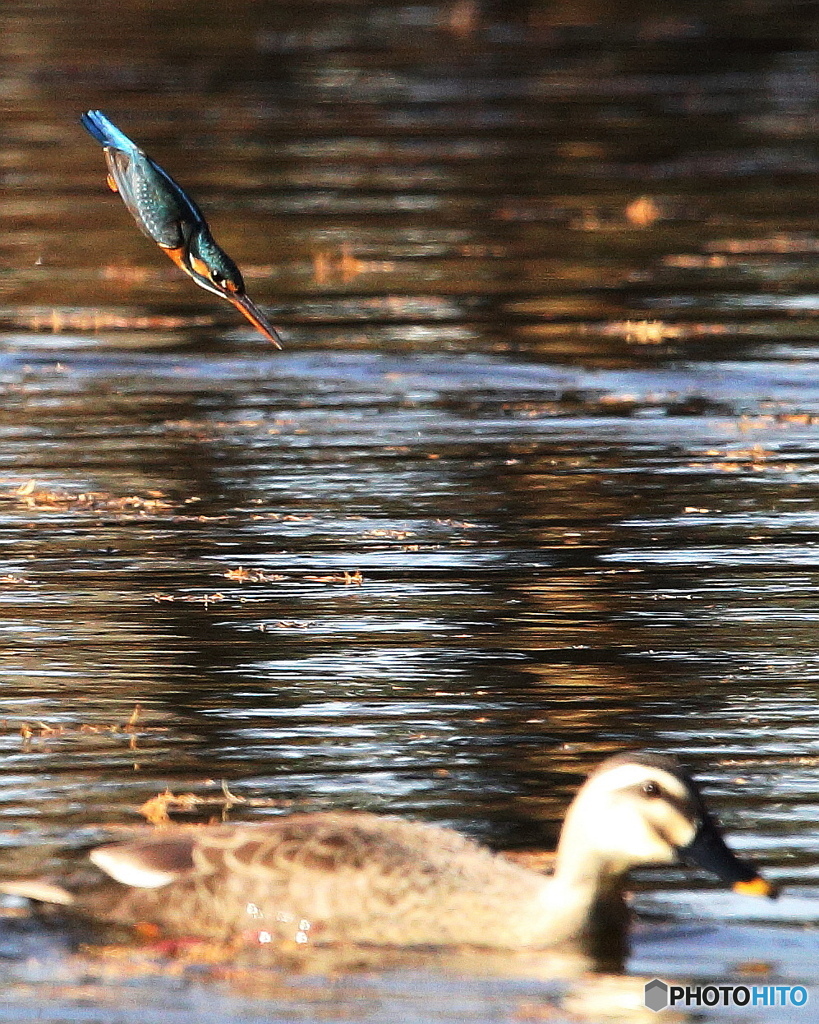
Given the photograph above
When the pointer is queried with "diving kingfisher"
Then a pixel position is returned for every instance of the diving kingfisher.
(167, 214)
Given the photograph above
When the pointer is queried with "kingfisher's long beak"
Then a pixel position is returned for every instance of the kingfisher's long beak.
(198, 271)
(255, 316)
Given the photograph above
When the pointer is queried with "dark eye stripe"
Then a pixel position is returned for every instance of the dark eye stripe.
(678, 803)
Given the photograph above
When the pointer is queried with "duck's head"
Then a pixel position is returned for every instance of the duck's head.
(640, 808)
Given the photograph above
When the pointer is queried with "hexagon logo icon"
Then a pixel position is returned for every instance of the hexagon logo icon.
(656, 995)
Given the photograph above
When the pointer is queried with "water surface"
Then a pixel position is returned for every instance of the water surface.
(533, 482)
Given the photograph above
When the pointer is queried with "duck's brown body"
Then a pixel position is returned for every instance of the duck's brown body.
(328, 878)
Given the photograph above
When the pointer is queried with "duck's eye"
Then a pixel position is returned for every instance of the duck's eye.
(651, 789)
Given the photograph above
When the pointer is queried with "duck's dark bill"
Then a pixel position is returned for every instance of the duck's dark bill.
(708, 850)
(256, 317)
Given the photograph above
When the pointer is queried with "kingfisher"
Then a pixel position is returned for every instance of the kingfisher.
(165, 213)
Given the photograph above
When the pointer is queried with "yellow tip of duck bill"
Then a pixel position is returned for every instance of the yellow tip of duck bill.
(255, 316)
(757, 886)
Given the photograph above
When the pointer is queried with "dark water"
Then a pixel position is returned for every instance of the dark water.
(534, 480)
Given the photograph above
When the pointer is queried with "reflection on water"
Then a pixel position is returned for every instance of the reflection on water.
(533, 482)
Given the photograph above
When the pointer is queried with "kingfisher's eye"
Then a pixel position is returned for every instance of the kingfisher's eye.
(217, 277)
(651, 789)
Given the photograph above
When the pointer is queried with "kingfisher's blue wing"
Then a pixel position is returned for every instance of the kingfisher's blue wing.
(106, 132)
(157, 203)
(152, 204)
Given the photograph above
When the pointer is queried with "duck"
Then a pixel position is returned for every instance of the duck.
(339, 877)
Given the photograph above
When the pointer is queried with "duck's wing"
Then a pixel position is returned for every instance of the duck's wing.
(147, 863)
(320, 845)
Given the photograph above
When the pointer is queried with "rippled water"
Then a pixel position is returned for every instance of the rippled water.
(533, 481)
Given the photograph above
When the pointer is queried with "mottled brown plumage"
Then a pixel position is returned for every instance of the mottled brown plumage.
(323, 877)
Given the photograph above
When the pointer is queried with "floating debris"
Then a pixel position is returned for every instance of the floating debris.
(348, 578)
(203, 599)
(89, 501)
(157, 810)
(242, 575)
(42, 731)
(286, 624)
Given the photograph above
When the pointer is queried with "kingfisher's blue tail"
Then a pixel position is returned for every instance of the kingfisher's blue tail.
(106, 132)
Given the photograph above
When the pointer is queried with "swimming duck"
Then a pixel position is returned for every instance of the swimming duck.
(362, 878)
